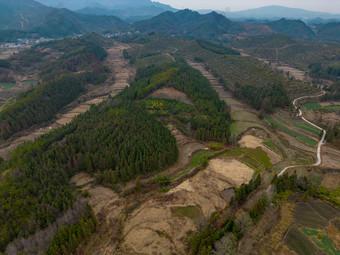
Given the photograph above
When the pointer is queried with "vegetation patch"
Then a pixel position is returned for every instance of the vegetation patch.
(312, 106)
(7, 85)
(200, 158)
(191, 212)
(322, 241)
(301, 137)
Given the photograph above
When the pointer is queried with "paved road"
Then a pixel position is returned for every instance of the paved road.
(322, 140)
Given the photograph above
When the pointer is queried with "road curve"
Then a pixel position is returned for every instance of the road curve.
(322, 140)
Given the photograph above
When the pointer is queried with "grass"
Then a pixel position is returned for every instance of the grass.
(7, 85)
(299, 243)
(324, 243)
(191, 212)
(197, 160)
(308, 217)
(312, 106)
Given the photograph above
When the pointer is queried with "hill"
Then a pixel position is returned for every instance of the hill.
(328, 32)
(294, 28)
(190, 24)
(22, 14)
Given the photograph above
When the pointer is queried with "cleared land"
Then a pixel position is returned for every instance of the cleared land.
(161, 225)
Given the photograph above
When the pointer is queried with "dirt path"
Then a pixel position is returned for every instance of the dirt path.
(121, 74)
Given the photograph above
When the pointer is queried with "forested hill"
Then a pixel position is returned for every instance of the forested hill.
(212, 120)
(33, 18)
(117, 140)
(294, 28)
(190, 24)
(61, 86)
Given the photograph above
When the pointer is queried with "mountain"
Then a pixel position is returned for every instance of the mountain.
(328, 32)
(62, 22)
(190, 24)
(22, 14)
(124, 9)
(294, 28)
(32, 17)
(275, 12)
(130, 13)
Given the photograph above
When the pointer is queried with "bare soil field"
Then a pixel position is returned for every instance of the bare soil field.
(293, 72)
(153, 229)
(171, 93)
(107, 206)
(330, 157)
(331, 180)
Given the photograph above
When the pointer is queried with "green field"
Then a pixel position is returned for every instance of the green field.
(7, 85)
(301, 137)
(332, 107)
(260, 155)
(312, 106)
(250, 158)
(299, 243)
(323, 242)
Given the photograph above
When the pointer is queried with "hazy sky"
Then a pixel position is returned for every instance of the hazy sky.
(332, 6)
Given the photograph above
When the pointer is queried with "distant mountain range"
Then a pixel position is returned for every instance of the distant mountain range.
(275, 12)
(34, 18)
(28, 18)
(131, 10)
(190, 24)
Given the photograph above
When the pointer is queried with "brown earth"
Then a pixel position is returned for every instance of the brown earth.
(331, 180)
(330, 157)
(107, 206)
(153, 229)
(293, 72)
(171, 94)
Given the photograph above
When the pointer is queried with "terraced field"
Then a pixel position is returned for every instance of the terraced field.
(310, 233)
(302, 131)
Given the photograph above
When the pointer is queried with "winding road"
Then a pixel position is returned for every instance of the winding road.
(322, 140)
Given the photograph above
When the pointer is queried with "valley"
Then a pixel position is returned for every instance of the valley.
(186, 138)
